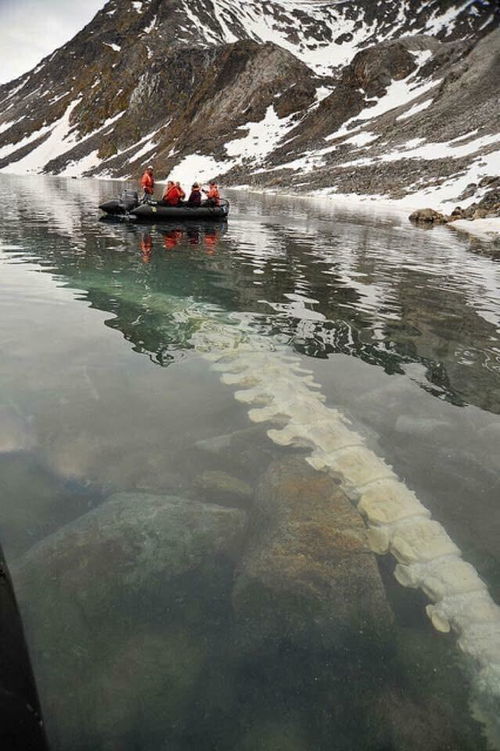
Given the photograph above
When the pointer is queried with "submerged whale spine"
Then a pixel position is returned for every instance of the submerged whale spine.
(282, 392)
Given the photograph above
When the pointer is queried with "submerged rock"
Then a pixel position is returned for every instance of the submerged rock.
(160, 566)
(248, 450)
(16, 432)
(223, 488)
(35, 502)
(308, 575)
(281, 735)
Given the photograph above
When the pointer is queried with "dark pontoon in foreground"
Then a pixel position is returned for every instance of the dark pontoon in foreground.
(128, 206)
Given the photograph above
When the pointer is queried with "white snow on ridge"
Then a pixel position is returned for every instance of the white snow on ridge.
(78, 168)
(398, 93)
(18, 88)
(441, 150)
(9, 148)
(146, 147)
(204, 32)
(150, 26)
(9, 124)
(115, 47)
(415, 109)
(437, 23)
(360, 139)
(52, 147)
(62, 138)
(320, 55)
(258, 24)
(199, 168)
(443, 197)
(262, 137)
(58, 97)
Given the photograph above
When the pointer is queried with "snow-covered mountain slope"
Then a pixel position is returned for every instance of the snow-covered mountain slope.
(374, 98)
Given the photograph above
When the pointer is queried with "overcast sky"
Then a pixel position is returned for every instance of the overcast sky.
(31, 29)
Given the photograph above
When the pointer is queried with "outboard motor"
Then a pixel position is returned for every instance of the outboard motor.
(122, 205)
(21, 727)
(129, 199)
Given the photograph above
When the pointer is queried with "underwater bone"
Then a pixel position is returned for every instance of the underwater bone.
(397, 521)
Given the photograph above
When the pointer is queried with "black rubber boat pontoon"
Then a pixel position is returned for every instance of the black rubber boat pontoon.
(129, 207)
(21, 726)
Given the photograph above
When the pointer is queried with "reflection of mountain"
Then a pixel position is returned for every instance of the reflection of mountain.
(327, 283)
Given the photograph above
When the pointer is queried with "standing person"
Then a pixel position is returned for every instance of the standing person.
(195, 195)
(171, 194)
(148, 182)
(212, 194)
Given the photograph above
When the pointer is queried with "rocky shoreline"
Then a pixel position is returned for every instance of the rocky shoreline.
(487, 208)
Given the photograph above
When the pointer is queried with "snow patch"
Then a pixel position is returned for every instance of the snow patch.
(59, 140)
(361, 138)
(6, 126)
(262, 137)
(486, 229)
(115, 47)
(441, 150)
(416, 108)
(146, 148)
(8, 148)
(398, 93)
(437, 23)
(198, 168)
(50, 148)
(79, 167)
(150, 26)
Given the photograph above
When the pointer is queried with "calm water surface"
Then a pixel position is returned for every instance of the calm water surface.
(102, 391)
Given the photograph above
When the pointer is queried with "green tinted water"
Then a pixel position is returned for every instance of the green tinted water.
(103, 391)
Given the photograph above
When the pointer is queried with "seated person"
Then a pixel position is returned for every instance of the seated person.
(195, 195)
(171, 195)
(183, 195)
(212, 194)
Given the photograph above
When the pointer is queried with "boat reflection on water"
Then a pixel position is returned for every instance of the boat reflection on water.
(205, 235)
(146, 246)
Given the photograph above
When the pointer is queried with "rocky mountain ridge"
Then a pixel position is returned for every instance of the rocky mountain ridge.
(336, 97)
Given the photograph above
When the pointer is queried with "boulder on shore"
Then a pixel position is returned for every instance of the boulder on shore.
(308, 575)
(428, 216)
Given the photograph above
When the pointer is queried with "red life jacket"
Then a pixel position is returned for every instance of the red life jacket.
(172, 196)
(148, 183)
(213, 194)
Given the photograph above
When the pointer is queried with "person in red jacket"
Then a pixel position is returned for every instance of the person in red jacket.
(171, 194)
(212, 194)
(148, 182)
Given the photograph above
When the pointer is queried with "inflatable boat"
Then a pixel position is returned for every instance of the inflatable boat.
(21, 725)
(128, 206)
